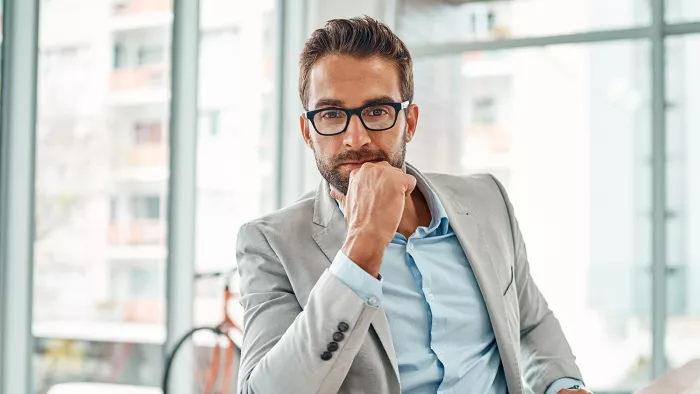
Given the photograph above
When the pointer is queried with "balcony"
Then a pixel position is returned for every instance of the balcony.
(140, 85)
(146, 155)
(138, 78)
(143, 311)
(131, 7)
(141, 232)
(129, 15)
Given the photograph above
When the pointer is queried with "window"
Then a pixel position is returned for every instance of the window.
(209, 123)
(102, 209)
(561, 126)
(144, 207)
(491, 21)
(150, 55)
(235, 133)
(148, 133)
(682, 11)
(119, 56)
(484, 110)
(683, 226)
(424, 22)
(113, 209)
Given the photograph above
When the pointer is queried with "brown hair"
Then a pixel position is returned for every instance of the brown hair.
(359, 37)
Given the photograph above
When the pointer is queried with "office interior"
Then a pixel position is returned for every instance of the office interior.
(139, 135)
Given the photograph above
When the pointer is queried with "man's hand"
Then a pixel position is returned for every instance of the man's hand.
(373, 209)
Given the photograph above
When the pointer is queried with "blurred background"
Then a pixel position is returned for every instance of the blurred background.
(582, 108)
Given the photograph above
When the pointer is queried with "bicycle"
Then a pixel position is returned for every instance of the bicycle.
(222, 335)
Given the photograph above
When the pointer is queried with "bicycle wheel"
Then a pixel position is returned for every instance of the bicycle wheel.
(213, 354)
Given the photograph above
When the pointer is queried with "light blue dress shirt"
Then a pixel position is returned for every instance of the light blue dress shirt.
(438, 320)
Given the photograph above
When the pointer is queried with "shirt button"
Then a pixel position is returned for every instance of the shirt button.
(373, 301)
(410, 246)
(430, 297)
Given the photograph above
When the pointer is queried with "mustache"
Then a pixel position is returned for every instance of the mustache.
(360, 155)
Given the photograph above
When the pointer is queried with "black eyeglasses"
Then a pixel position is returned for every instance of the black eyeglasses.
(375, 117)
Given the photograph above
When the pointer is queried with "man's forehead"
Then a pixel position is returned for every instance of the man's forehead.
(351, 81)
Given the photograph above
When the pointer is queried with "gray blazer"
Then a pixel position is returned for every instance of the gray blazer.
(293, 304)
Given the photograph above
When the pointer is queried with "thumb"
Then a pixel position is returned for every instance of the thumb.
(410, 184)
(337, 195)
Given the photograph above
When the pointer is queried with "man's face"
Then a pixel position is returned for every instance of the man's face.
(348, 82)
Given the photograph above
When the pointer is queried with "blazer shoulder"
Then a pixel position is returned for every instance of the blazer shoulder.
(281, 221)
(474, 185)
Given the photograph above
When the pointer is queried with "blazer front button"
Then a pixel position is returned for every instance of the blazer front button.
(343, 326)
(325, 356)
(338, 336)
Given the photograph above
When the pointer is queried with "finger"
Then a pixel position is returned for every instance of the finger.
(410, 183)
(353, 173)
(337, 195)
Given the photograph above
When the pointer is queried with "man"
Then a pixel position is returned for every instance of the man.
(387, 280)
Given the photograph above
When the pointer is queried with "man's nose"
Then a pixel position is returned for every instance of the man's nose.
(356, 136)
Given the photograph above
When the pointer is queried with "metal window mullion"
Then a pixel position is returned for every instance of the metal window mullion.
(682, 28)
(17, 153)
(281, 53)
(658, 93)
(291, 175)
(526, 42)
(182, 188)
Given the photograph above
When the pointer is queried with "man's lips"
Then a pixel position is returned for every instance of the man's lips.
(359, 163)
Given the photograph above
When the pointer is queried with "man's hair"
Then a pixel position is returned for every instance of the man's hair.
(361, 37)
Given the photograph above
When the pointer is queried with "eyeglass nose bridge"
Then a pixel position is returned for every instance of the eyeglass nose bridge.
(358, 112)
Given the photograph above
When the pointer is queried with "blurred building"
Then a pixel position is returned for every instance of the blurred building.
(102, 167)
(571, 120)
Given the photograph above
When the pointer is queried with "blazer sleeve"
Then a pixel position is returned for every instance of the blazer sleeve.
(545, 353)
(283, 340)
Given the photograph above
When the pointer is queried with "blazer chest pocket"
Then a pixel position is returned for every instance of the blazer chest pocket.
(510, 298)
(511, 280)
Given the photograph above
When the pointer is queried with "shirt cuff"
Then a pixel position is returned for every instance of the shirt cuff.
(358, 280)
(563, 383)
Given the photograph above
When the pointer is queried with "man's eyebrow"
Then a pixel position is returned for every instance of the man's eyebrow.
(327, 102)
(380, 99)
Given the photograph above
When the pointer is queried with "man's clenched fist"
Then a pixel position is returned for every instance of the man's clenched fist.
(373, 209)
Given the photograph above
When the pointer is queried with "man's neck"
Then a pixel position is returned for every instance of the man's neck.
(416, 212)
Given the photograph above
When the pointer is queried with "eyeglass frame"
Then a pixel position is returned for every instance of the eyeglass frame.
(356, 111)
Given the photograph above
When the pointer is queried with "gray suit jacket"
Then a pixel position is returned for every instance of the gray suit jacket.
(293, 304)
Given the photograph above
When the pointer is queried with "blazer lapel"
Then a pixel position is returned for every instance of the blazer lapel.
(330, 236)
(465, 224)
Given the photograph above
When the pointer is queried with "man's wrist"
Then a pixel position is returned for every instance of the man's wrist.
(565, 384)
(365, 251)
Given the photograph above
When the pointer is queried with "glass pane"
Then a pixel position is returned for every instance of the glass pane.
(429, 21)
(683, 149)
(566, 129)
(237, 138)
(101, 191)
(682, 11)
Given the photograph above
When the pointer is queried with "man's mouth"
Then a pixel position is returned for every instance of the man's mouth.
(359, 162)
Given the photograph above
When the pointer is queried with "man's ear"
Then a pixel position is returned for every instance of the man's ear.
(305, 131)
(411, 121)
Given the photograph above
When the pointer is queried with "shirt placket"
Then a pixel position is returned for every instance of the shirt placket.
(423, 279)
